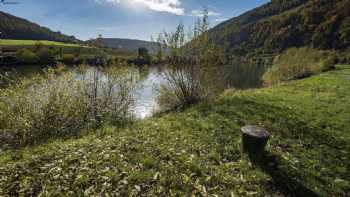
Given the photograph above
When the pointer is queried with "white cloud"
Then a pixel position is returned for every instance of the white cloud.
(221, 19)
(170, 6)
(200, 13)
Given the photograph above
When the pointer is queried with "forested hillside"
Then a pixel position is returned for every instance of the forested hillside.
(12, 27)
(281, 24)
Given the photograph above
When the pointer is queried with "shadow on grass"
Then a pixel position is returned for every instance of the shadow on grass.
(285, 181)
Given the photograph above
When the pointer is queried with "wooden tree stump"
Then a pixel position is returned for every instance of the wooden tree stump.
(254, 140)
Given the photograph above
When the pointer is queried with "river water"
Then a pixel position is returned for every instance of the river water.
(235, 76)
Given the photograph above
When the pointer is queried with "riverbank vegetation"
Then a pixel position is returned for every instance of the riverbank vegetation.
(197, 152)
(298, 63)
(193, 64)
(62, 103)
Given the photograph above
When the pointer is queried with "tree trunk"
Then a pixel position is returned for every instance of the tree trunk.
(254, 140)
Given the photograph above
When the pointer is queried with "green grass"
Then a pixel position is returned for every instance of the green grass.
(5, 42)
(197, 152)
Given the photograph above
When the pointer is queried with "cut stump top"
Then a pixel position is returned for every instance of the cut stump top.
(255, 131)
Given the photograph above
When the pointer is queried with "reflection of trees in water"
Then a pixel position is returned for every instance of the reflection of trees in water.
(243, 75)
(143, 72)
(13, 74)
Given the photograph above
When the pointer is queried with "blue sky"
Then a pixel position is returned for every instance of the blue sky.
(136, 19)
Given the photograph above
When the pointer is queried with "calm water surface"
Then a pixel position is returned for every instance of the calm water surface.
(146, 96)
(235, 76)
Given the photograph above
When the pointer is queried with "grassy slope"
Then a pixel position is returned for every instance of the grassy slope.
(5, 42)
(198, 151)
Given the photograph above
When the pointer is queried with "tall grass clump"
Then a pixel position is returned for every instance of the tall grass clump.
(297, 63)
(193, 63)
(61, 104)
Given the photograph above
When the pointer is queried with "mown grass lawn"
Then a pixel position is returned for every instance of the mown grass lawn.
(6, 42)
(197, 152)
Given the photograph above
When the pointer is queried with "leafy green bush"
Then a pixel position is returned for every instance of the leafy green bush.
(297, 63)
(345, 57)
(99, 59)
(46, 55)
(144, 58)
(26, 56)
(329, 63)
(60, 105)
(67, 58)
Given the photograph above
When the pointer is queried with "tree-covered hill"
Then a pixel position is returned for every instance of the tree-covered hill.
(12, 27)
(281, 24)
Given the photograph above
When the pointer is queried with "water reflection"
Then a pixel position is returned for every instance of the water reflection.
(146, 96)
(244, 76)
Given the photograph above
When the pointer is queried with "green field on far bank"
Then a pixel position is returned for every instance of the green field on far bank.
(14, 43)
(34, 51)
(197, 152)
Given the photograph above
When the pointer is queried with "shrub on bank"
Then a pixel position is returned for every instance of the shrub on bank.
(26, 56)
(46, 55)
(68, 59)
(329, 63)
(345, 57)
(72, 59)
(100, 59)
(193, 67)
(297, 63)
(60, 105)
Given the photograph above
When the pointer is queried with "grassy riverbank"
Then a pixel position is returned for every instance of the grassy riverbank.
(198, 151)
